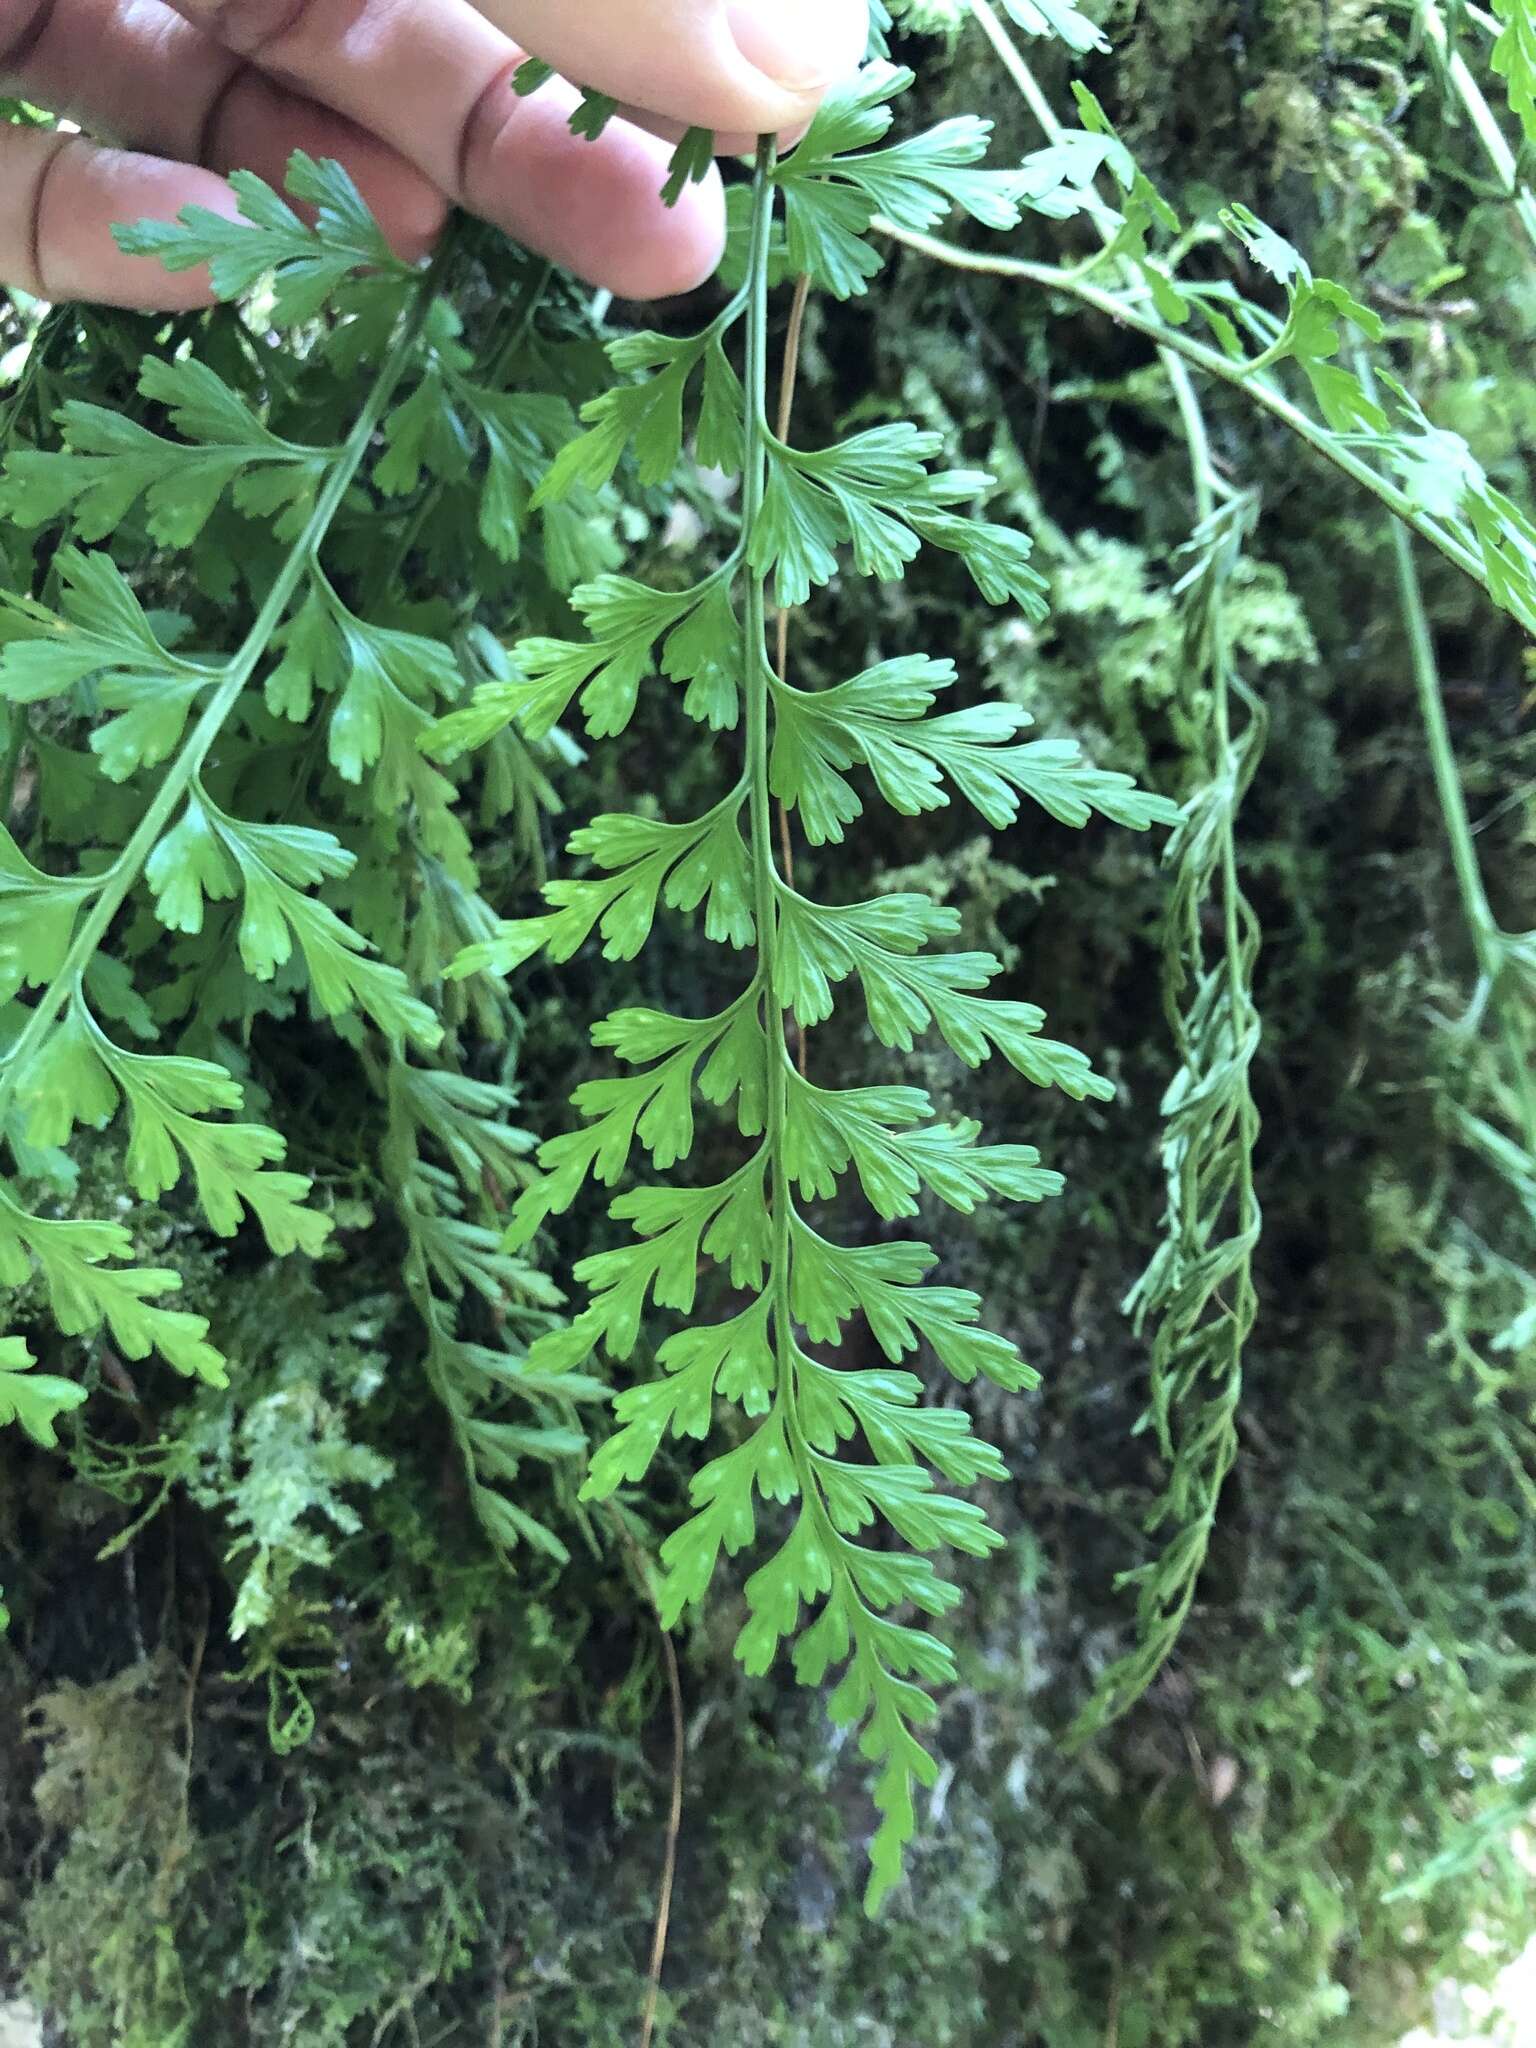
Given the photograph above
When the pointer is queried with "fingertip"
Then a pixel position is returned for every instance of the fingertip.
(801, 46)
(684, 249)
(413, 217)
(88, 191)
(595, 208)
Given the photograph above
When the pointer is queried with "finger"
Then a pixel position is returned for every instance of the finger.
(61, 196)
(740, 67)
(431, 80)
(138, 75)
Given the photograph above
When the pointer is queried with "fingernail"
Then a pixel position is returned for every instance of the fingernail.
(788, 40)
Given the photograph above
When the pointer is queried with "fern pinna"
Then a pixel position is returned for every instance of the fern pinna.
(844, 1460)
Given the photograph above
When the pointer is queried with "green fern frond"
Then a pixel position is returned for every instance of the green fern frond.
(832, 1581)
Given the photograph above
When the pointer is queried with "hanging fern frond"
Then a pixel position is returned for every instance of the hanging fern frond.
(839, 1470)
(1197, 1299)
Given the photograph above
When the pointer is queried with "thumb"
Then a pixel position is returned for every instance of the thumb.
(736, 66)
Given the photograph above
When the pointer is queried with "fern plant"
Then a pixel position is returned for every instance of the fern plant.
(198, 907)
(168, 905)
(1197, 1299)
(838, 1461)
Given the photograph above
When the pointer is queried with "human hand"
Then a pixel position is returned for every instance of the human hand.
(415, 98)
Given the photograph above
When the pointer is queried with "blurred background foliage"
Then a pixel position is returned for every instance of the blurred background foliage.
(296, 1762)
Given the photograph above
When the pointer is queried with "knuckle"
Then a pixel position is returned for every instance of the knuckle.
(23, 24)
(40, 233)
(252, 28)
(27, 160)
(491, 114)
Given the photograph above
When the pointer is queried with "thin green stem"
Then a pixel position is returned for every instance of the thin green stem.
(767, 882)
(758, 685)
(1459, 76)
(1205, 485)
(114, 886)
(1483, 926)
(527, 312)
(32, 369)
(1013, 63)
(754, 483)
(1119, 309)
(1481, 923)
(1201, 469)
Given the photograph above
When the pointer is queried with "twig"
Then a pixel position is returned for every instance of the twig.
(189, 1724)
(403, 2007)
(642, 1577)
(1112, 2016)
(131, 1587)
(114, 1370)
(180, 1848)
